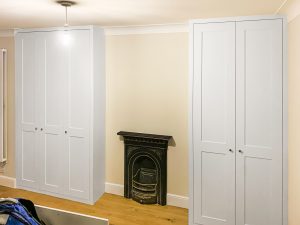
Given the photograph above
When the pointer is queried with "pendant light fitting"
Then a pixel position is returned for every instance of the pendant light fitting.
(66, 4)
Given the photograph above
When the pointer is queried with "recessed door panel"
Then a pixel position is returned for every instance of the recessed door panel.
(53, 149)
(258, 82)
(28, 79)
(259, 122)
(213, 183)
(214, 86)
(213, 124)
(28, 156)
(55, 73)
(258, 182)
(79, 79)
(78, 169)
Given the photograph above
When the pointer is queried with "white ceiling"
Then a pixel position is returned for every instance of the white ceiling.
(45, 13)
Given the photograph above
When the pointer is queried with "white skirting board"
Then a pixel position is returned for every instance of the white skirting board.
(174, 200)
(117, 189)
(7, 181)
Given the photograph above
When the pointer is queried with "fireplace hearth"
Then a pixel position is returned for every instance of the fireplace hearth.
(145, 167)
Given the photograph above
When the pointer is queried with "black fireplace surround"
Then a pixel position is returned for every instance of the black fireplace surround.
(145, 167)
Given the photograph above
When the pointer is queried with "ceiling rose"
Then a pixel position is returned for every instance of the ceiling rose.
(66, 3)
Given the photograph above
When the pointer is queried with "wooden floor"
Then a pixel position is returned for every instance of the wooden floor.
(119, 210)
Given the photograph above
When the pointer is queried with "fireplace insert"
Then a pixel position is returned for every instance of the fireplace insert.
(145, 167)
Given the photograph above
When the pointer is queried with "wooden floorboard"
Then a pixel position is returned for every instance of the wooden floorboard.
(119, 210)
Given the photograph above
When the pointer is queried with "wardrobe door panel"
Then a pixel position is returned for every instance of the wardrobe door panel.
(79, 108)
(259, 122)
(26, 111)
(213, 124)
(214, 179)
(29, 176)
(54, 99)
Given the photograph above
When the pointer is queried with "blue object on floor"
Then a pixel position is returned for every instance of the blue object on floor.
(18, 213)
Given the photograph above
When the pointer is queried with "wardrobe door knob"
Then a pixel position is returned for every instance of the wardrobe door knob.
(35, 128)
(41, 129)
(240, 151)
(66, 132)
(230, 150)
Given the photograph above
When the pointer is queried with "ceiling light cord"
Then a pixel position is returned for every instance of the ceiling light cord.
(66, 4)
(66, 21)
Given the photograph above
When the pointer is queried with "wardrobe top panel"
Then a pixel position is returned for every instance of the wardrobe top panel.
(49, 29)
(238, 19)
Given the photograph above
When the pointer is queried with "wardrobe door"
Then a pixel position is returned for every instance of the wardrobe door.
(78, 119)
(55, 63)
(259, 122)
(214, 124)
(27, 65)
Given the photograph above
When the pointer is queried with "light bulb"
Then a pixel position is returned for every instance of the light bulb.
(66, 38)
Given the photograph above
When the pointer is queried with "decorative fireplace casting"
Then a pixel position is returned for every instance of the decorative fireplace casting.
(145, 167)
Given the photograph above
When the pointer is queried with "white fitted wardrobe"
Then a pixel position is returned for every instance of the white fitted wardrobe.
(238, 122)
(60, 112)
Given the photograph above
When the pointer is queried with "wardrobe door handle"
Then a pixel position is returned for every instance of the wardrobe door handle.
(41, 129)
(66, 132)
(230, 150)
(240, 151)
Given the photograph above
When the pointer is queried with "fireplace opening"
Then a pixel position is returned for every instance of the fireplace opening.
(145, 167)
(144, 180)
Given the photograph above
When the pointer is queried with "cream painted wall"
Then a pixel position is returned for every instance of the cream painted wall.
(292, 10)
(147, 91)
(294, 120)
(8, 43)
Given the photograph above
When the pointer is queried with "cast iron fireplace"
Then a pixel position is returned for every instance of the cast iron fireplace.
(145, 167)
